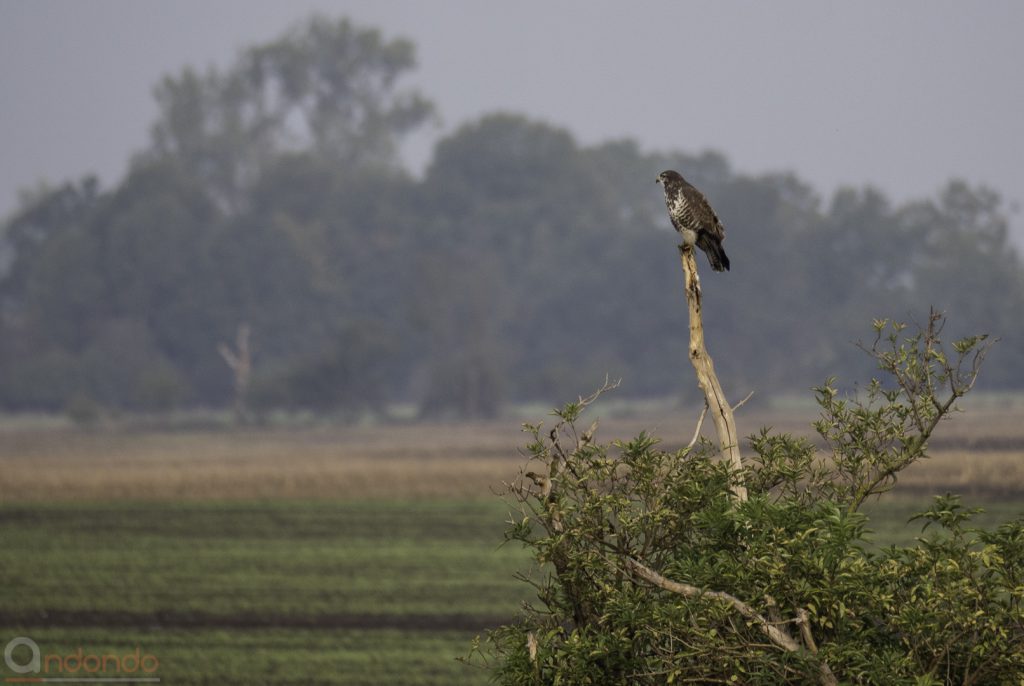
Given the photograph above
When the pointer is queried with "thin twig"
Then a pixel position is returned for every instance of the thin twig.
(700, 423)
(742, 402)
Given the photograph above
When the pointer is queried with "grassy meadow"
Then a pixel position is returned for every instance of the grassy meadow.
(358, 555)
(281, 592)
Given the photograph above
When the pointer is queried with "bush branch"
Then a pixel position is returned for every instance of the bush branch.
(777, 636)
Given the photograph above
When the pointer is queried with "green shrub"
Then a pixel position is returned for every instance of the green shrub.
(650, 571)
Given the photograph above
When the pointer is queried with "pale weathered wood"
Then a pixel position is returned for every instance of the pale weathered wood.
(776, 635)
(721, 410)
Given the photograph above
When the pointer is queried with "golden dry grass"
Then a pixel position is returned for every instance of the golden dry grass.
(399, 462)
(980, 452)
(996, 473)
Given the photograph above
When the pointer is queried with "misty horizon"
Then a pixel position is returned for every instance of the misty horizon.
(900, 98)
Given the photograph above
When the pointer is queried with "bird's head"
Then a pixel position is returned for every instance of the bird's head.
(668, 176)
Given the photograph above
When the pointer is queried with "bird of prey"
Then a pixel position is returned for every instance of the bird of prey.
(693, 217)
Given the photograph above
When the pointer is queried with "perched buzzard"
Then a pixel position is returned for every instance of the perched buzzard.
(693, 218)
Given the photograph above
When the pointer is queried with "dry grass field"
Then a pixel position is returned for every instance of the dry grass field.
(403, 462)
(980, 452)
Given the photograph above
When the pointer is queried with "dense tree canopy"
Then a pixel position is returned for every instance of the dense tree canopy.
(521, 266)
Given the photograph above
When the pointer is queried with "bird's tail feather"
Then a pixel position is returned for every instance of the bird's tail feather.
(721, 261)
(716, 255)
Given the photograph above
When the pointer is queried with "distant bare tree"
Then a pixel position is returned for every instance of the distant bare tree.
(240, 362)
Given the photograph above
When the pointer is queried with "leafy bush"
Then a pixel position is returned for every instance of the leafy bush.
(651, 571)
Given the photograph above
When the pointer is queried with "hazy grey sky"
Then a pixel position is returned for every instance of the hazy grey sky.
(902, 95)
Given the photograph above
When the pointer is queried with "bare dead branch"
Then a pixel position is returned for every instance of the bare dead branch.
(700, 424)
(608, 385)
(803, 620)
(743, 402)
(531, 646)
(777, 636)
(721, 410)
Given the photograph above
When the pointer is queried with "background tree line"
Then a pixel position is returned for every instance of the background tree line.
(521, 266)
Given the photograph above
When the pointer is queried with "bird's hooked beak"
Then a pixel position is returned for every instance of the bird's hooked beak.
(657, 180)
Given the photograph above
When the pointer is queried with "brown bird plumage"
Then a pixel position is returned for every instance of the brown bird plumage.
(693, 218)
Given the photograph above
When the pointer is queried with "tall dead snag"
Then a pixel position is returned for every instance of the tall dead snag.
(240, 362)
(721, 410)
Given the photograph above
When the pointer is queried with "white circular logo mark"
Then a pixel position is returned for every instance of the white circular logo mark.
(32, 665)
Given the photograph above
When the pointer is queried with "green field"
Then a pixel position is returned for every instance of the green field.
(262, 593)
(278, 592)
(348, 555)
